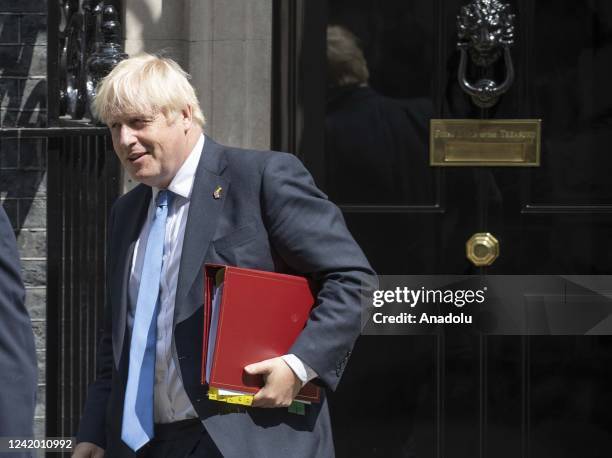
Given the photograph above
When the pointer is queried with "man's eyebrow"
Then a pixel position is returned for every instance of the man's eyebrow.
(131, 118)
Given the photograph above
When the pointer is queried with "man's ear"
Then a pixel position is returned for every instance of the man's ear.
(187, 117)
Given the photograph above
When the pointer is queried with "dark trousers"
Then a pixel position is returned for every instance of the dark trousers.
(183, 439)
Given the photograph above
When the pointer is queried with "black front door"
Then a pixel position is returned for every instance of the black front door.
(391, 67)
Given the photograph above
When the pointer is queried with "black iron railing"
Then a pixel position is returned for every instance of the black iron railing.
(84, 45)
(83, 176)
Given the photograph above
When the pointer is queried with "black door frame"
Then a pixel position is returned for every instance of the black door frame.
(298, 85)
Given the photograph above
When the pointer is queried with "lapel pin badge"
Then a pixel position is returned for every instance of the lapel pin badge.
(217, 193)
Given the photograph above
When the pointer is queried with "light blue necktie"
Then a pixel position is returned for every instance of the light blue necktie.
(137, 426)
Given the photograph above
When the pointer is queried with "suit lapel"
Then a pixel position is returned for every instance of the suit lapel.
(204, 211)
(127, 232)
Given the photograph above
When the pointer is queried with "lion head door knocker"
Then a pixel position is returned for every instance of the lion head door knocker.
(485, 31)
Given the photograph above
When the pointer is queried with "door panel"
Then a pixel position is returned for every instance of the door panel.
(460, 394)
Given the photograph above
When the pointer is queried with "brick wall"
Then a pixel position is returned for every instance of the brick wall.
(23, 103)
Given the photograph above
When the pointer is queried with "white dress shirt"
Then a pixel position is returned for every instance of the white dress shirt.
(171, 401)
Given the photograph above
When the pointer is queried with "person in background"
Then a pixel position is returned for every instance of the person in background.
(374, 152)
(18, 373)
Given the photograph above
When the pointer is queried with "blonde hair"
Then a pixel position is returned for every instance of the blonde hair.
(145, 84)
(345, 62)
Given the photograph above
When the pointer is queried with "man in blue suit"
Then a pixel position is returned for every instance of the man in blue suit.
(17, 352)
(200, 202)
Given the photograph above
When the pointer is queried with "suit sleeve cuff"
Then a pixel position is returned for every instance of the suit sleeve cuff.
(302, 370)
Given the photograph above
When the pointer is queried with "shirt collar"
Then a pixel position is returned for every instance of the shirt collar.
(182, 183)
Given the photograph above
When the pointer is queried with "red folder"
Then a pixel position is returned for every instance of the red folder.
(260, 316)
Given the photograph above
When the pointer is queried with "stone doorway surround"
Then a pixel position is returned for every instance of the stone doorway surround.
(226, 46)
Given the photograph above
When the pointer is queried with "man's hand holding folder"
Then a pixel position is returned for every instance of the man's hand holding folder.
(251, 320)
(281, 384)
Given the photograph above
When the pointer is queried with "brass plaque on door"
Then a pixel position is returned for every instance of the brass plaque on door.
(490, 142)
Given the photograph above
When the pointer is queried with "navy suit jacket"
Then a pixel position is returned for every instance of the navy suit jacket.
(270, 216)
(17, 352)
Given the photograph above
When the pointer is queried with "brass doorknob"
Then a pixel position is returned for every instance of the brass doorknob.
(482, 249)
